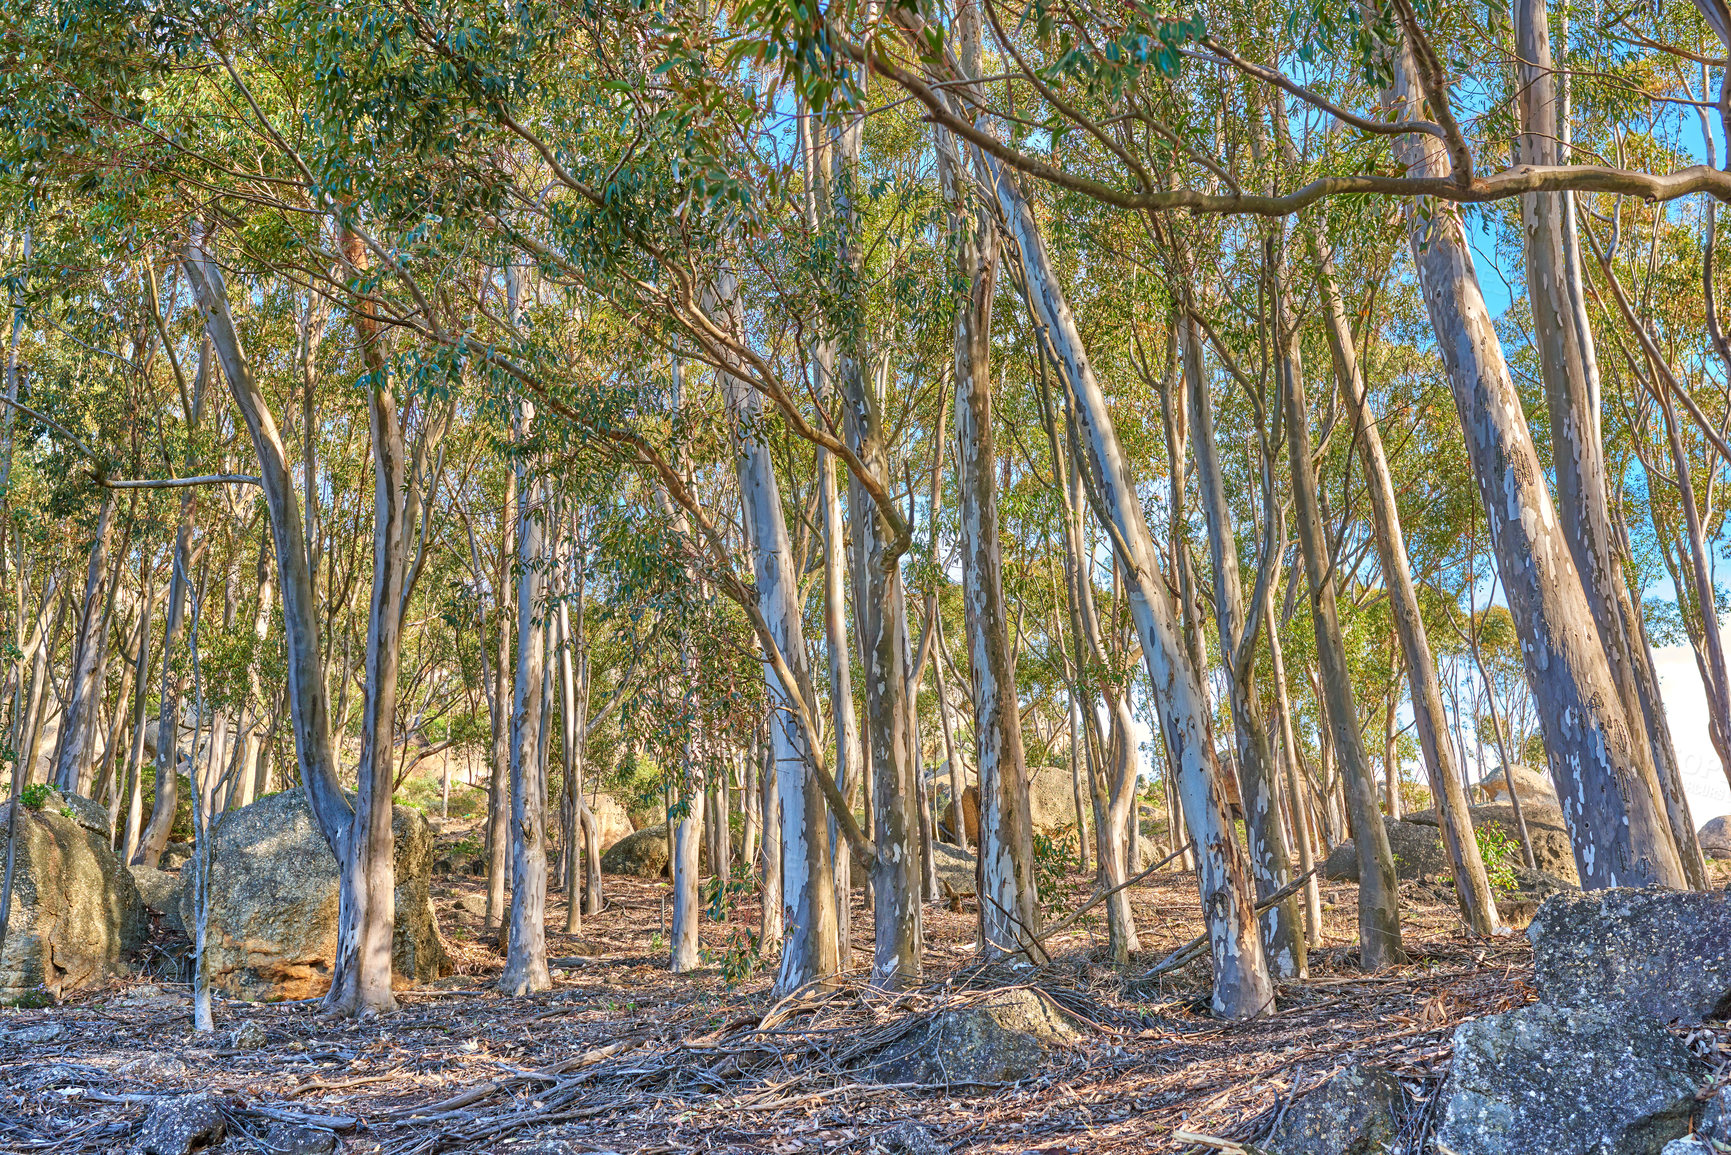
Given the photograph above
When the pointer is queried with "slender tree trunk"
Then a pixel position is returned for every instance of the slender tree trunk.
(1242, 986)
(809, 941)
(952, 748)
(1009, 902)
(1258, 784)
(148, 851)
(1378, 893)
(1466, 864)
(526, 957)
(1297, 790)
(499, 805)
(769, 934)
(134, 772)
(1620, 831)
(70, 760)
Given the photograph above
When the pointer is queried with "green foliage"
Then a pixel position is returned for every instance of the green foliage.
(741, 957)
(1054, 858)
(35, 795)
(1501, 854)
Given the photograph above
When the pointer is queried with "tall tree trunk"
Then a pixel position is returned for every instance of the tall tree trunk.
(70, 760)
(809, 931)
(526, 956)
(499, 781)
(1009, 901)
(1378, 893)
(1258, 784)
(1466, 864)
(1620, 832)
(1568, 366)
(1297, 788)
(769, 922)
(1242, 986)
(308, 701)
(134, 773)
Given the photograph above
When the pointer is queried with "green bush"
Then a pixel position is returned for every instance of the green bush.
(1500, 853)
(35, 795)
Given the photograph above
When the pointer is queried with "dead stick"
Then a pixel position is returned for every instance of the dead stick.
(1195, 946)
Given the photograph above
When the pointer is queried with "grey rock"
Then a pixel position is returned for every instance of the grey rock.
(1665, 953)
(75, 909)
(1715, 837)
(1001, 1038)
(1357, 1112)
(1715, 1121)
(907, 1138)
(1418, 853)
(159, 890)
(294, 1139)
(643, 854)
(175, 855)
(273, 902)
(35, 1034)
(248, 1037)
(473, 903)
(1686, 1147)
(1552, 852)
(1567, 1082)
(178, 1125)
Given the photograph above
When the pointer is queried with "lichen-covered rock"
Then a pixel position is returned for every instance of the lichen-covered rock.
(1532, 786)
(1003, 1037)
(1715, 1122)
(157, 889)
(907, 1138)
(296, 1139)
(273, 902)
(1689, 1146)
(1358, 1112)
(1418, 853)
(1567, 1081)
(643, 854)
(1552, 852)
(75, 909)
(1663, 953)
(1715, 836)
(178, 1125)
(611, 819)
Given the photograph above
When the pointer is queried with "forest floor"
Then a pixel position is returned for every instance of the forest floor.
(622, 1056)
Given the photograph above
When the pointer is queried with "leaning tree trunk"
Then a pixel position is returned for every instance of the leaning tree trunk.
(1379, 943)
(1258, 784)
(308, 701)
(1604, 777)
(809, 921)
(1242, 987)
(1466, 863)
(1568, 366)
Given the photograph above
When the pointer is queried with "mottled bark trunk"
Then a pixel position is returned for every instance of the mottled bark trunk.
(526, 956)
(1009, 902)
(308, 703)
(70, 760)
(1466, 864)
(1378, 893)
(1604, 778)
(1242, 986)
(499, 696)
(1258, 784)
(1568, 366)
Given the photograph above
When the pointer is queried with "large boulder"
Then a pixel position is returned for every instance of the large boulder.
(611, 820)
(1552, 852)
(1567, 1081)
(1418, 853)
(1004, 1036)
(1531, 785)
(1715, 837)
(643, 854)
(273, 902)
(75, 909)
(160, 892)
(1051, 799)
(1663, 953)
(970, 815)
(1358, 1112)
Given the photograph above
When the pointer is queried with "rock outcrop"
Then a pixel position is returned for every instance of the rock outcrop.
(1551, 850)
(1661, 954)
(1005, 1036)
(611, 819)
(643, 854)
(1358, 1112)
(1715, 836)
(1567, 1081)
(273, 908)
(1418, 853)
(75, 908)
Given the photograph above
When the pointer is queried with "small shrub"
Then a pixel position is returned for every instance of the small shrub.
(1054, 857)
(35, 795)
(1500, 853)
(741, 958)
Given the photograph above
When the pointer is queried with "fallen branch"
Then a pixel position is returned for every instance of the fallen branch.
(1190, 950)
